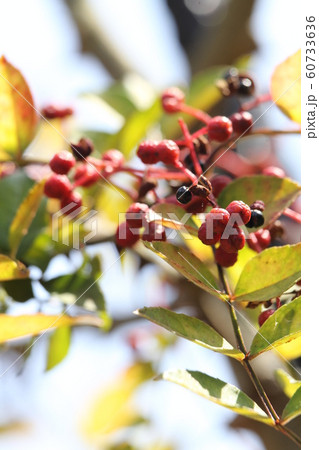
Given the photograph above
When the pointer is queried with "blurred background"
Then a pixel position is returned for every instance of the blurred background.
(70, 52)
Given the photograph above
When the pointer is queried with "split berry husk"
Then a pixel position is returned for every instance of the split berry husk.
(207, 236)
(184, 195)
(172, 99)
(135, 215)
(264, 316)
(256, 219)
(242, 122)
(239, 207)
(225, 259)
(154, 232)
(72, 202)
(124, 236)
(62, 162)
(82, 149)
(57, 186)
(219, 128)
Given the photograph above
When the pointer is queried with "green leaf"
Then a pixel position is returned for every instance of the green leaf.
(285, 86)
(15, 188)
(19, 290)
(12, 270)
(59, 344)
(12, 327)
(82, 283)
(288, 384)
(276, 193)
(293, 408)
(192, 329)
(280, 268)
(24, 216)
(18, 118)
(188, 265)
(219, 392)
(282, 327)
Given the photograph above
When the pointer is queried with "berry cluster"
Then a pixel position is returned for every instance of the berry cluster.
(222, 225)
(136, 217)
(85, 171)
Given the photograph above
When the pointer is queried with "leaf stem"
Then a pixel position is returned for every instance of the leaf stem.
(250, 371)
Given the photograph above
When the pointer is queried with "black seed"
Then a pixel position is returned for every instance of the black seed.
(246, 86)
(183, 195)
(256, 219)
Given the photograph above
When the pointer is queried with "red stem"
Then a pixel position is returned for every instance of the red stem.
(197, 113)
(294, 215)
(256, 102)
(190, 145)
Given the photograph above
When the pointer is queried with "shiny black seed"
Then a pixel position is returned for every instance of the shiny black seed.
(256, 219)
(183, 195)
(246, 86)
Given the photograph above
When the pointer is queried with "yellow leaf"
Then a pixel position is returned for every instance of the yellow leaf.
(291, 350)
(112, 409)
(285, 86)
(12, 327)
(18, 118)
(12, 270)
(24, 216)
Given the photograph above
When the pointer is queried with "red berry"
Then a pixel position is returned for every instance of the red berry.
(115, 157)
(262, 238)
(62, 162)
(239, 207)
(264, 316)
(234, 242)
(207, 236)
(197, 205)
(148, 152)
(124, 236)
(242, 122)
(172, 99)
(82, 149)
(57, 186)
(274, 171)
(154, 232)
(135, 215)
(217, 219)
(73, 201)
(168, 152)
(219, 182)
(225, 259)
(86, 175)
(219, 128)
(55, 112)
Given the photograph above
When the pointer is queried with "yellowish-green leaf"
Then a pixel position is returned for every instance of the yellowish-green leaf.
(24, 216)
(290, 350)
(219, 392)
(12, 270)
(283, 326)
(285, 86)
(59, 344)
(293, 408)
(280, 268)
(17, 114)
(112, 409)
(288, 384)
(276, 193)
(187, 265)
(12, 327)
(192, 329)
